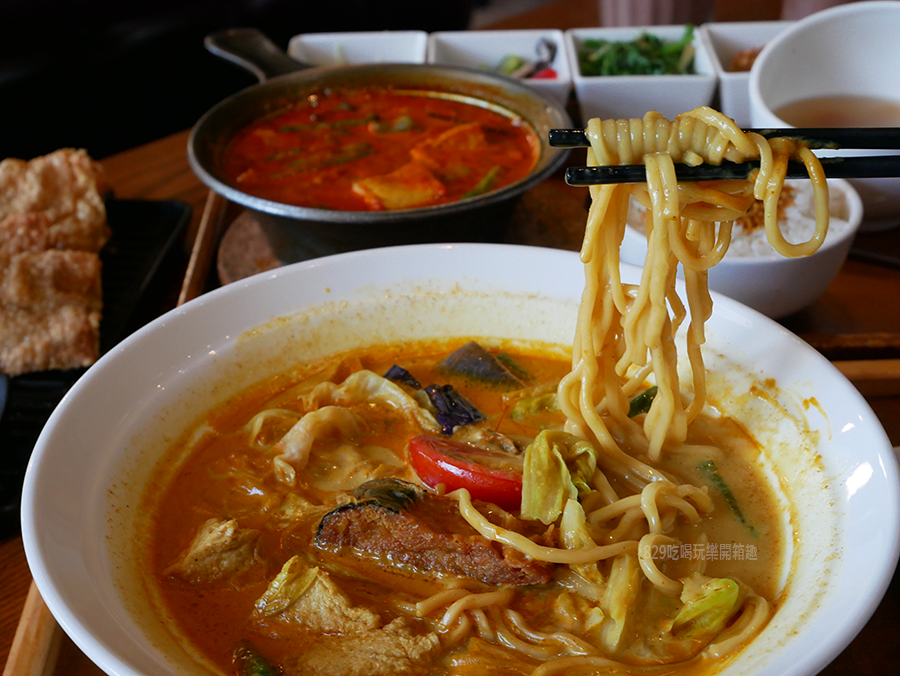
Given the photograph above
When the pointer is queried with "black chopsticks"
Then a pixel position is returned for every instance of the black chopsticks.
(867, 138)
(874, 166)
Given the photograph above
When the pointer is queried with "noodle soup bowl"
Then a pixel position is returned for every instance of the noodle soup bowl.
(849, 51)
(755, 274)
(829, 461)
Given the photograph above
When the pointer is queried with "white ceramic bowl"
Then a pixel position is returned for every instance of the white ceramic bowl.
(485, 49)
(92, 461)
(772, 284)
(338, 49)
(630, 96)
(723, 41)
(849, 50)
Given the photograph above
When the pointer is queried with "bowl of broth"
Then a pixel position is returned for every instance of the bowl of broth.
(830, 70)
(163, 453)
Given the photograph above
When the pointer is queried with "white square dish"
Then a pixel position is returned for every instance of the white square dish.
(630, 96)
(724, 41)
(338, 49)
(486, 49)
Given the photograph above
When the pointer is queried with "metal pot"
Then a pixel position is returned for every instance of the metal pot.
(298, 233)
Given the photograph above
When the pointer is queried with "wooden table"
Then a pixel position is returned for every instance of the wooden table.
(862, 302)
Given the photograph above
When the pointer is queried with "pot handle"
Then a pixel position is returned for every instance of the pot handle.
(253, 51)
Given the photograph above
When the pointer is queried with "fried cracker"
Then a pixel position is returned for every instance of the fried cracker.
(50, 308)
(67, 187)
(22, 233)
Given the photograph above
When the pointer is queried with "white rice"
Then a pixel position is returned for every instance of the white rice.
(797, 224)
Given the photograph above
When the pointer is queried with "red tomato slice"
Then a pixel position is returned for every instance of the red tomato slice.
(457, 465)
(544, 74)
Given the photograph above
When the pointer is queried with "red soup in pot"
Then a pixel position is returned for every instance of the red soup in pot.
(379, 149)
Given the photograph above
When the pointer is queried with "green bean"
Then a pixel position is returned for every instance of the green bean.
(711, 473)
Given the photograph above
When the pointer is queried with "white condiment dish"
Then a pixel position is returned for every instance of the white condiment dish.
(339, 49)
(848, 50)
(485, 50)
(82, 494)
(767, 281)
(725, 40)
(631, 96)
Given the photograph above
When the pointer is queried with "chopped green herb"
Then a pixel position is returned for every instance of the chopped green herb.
(641, 403)
(711, 473)
(646, 55)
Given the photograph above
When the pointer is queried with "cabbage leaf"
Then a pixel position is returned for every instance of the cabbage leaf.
(558, 467)
(294, 447)
(622, 591)
(708, 605)
(368, 387)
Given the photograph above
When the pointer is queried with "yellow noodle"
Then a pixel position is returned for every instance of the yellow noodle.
(442, 598)
(529, 547)
(661, 581)
(748, 625)
(568, 664)
(458, 632)
(506, 637)
(486, 629)
(473, 601)
(638, 331)
(572, 644)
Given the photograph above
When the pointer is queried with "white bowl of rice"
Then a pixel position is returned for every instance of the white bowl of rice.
(752, 272)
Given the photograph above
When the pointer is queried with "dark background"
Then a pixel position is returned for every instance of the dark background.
(107, 75)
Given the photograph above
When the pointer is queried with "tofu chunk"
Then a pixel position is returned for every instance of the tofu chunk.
(307, 598)
(409, 186)
(444, 155)
(220, 549)
(391, 651)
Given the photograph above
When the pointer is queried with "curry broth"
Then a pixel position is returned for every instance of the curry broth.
(324, 150)
(223, 475)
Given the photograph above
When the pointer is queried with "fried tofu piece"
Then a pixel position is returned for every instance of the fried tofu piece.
(409, 186)
(67, 187)
(338, 637)
(442, 154)
(310, 601)
(219, 549)
(393, 650)
(50, 311)
(463, 137)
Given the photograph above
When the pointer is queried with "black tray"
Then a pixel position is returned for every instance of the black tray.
(144, 233)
